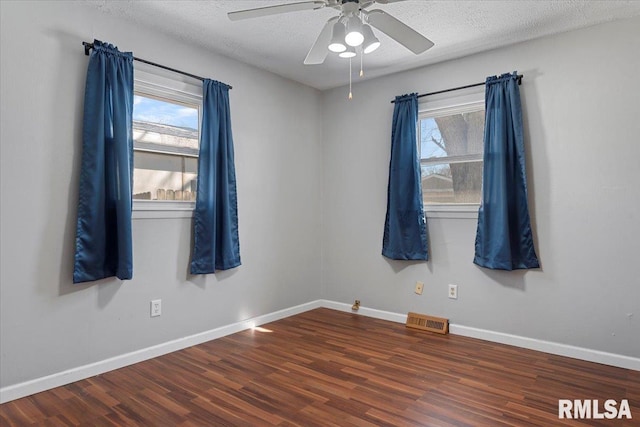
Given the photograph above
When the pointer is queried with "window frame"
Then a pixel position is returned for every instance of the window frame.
(183, 92)
(443, 106)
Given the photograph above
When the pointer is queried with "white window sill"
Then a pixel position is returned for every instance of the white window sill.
(456, 211)
(162, 209)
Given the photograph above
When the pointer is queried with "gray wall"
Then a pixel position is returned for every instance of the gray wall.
(48, 325)
(581, 95)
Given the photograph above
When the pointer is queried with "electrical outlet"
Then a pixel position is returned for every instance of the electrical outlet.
(453, 291)
(156, 307)
(419, 288)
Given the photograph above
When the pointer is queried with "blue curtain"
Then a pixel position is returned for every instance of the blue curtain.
(216, 243)
(504, 239)
(405, 228)
(103, 232)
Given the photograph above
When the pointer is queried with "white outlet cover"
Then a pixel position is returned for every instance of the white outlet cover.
(453, 291)
(156, 307)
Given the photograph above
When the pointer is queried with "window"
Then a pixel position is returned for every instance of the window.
(166, 126)
(450, 144)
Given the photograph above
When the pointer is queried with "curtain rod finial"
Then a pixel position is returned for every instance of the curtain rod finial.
(87, 47)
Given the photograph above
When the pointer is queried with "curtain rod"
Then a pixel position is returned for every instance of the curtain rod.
(520, 76)
(88, 46)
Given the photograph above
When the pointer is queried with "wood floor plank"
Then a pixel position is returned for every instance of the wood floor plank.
(329, 368)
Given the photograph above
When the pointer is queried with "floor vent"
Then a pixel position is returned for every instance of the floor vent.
(428, 323)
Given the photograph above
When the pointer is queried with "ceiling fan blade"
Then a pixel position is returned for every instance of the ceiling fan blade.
(387, 1)
(400, 32)
(274, 10)
(319, 51)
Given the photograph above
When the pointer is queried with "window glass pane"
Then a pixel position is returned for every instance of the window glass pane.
(165, 126)
(452, 183)
(430, 140)
(158, 176)
(451, 149)
(152, 110)
(452, 135)
(166, 145)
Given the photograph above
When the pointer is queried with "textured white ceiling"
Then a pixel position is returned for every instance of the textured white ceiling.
(280, 43)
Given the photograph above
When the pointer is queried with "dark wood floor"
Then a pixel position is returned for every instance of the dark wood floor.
(328, 368)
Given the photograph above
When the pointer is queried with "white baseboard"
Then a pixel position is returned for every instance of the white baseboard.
(581, 353)
(82, 372)
(364, 311)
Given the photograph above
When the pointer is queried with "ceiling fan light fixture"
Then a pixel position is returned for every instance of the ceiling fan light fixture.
(354, 35)
(349, 53)
(337, 38)
(371, 42)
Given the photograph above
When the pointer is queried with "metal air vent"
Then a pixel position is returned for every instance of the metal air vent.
(428, 323)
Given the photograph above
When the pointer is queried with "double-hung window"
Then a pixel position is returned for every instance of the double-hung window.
(166, 134)
(450, 145)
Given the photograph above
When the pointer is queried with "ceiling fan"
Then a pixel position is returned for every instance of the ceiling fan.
(351, 29)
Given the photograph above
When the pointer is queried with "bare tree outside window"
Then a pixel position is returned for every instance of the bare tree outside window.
(451, 146)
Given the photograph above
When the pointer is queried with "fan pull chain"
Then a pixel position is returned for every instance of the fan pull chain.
(350, 94)
(361, 59)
